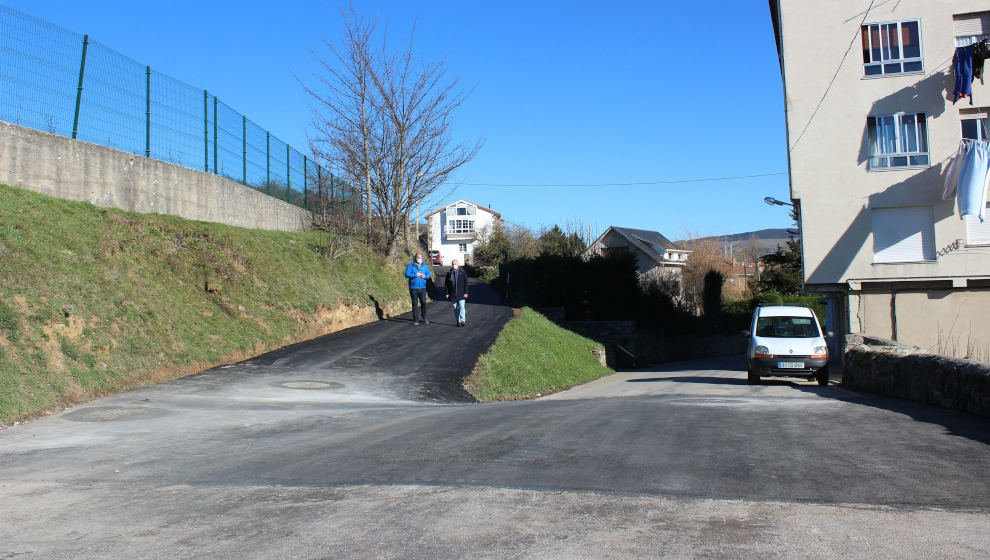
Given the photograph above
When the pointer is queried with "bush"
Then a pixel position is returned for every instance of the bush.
(770, 298)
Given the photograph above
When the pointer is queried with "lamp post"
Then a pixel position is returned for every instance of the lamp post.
(774, 202)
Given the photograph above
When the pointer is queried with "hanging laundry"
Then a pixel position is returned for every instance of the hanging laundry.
(971, 194)
(981, 52)
(952, 172)
(963, 64)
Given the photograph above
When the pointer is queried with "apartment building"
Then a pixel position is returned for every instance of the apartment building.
(874, 123)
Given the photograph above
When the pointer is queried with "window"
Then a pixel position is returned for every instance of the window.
(970, 28)
(898, 140)
(462, 247)
(974, 124)
(977, 232)
(786, 327)
(460, 226)
(891, 48)
(903, 234)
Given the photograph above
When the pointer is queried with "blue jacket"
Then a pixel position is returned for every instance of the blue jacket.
(415, 282)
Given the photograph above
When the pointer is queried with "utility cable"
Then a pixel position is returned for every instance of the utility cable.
(841, 62)
(671, 182)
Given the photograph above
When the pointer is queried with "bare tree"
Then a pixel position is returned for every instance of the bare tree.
(384, 119)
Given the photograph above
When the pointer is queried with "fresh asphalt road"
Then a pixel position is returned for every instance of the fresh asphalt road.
(358, 445)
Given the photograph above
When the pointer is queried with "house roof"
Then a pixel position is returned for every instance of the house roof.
(652, 243)
(480, 207)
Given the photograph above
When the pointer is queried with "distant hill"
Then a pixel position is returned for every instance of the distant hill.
(766, 241)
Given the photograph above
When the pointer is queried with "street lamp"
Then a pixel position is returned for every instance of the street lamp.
(774, 202)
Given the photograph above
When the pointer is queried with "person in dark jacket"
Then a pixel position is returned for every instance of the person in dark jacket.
(457, 291)
(418, 273)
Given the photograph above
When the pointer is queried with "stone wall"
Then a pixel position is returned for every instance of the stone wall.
(882, 366)
(65, 168)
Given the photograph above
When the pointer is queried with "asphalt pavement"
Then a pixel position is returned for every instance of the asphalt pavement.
(359, 445)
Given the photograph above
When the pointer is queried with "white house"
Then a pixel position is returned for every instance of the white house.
(656, 255)
(456, 228)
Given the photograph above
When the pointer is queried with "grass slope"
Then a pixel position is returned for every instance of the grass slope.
(95, 300)
(533, 356)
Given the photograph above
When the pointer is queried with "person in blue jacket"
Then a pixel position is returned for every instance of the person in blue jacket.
(418, 273)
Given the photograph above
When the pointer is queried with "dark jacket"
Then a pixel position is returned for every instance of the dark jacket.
(457, 289)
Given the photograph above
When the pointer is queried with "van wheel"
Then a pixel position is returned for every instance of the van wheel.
(753, 377)
(822, 376)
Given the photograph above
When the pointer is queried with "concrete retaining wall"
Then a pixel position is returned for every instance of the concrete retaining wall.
(58, 166)
(886, 367)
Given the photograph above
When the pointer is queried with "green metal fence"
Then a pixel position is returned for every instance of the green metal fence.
(58, 81)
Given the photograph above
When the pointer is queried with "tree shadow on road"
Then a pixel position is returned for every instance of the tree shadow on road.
(692, 379)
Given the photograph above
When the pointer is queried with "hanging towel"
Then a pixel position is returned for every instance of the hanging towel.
(952, 172)
(963, 64)
(971, 196)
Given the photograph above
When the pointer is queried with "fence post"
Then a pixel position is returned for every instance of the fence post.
(305, 186)
(268, 162)
(288, 172)
(215, 164)
(82, 70)
(206, 131)
(319, 184)
(244, 142)
(147, 113)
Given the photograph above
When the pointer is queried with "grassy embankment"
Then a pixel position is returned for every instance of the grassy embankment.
(533, 356)
(95, 301)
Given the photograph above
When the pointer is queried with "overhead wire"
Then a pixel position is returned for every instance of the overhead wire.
(834, 76)
(640, 183)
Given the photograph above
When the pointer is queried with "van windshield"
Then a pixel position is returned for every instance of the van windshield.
(787, 327)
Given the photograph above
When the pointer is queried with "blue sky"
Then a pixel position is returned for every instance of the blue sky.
(570, 93)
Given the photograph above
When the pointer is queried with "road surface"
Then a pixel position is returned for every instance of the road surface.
(339, 449)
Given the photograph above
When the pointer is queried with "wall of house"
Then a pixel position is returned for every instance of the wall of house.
(829, 156)
(950, 322)
(58, 166)
(449, 248)
(612, 239)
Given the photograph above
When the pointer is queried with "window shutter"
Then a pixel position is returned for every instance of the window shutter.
(968, 25)
(903, 235)
(977, 232)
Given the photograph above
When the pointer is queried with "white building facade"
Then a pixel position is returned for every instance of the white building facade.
(873, 123)
(456, 229)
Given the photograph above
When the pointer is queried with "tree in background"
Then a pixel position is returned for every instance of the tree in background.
(706, 256)
(494, 246)
(555, 241)
(383, 117)
(783, 273)
(524, 244)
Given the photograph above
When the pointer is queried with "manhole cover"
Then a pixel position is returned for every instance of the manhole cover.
(111, 413)
(310, 385)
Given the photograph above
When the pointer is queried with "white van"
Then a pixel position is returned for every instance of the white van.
(786, 341)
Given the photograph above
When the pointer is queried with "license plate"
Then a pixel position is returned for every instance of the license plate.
(790, 365)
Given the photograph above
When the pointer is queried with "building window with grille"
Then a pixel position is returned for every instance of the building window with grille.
(891, 48)
(462, 247)
(898, 141)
